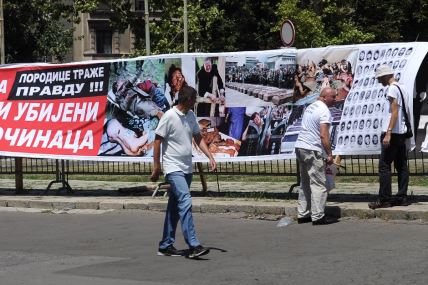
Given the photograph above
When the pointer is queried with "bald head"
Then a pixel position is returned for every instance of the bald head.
(328, 96)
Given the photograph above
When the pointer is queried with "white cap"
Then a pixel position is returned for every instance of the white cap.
(383, 70)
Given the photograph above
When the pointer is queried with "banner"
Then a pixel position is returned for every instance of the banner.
(109, 110)
(249, 105)
(361, 101)
(366, 104)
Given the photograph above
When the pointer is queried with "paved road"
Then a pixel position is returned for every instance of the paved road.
(120, 248)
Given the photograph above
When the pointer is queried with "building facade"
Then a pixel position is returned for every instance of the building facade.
(94, 39)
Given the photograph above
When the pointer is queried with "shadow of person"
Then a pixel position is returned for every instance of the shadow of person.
(203, 257)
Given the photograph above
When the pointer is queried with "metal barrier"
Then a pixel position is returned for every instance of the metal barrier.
(353, 166)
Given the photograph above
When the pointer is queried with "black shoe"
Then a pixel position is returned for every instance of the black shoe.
(325, 221)
(378, 204)
(304, 220)
(170, 251)
(400, 201)
(197, 251)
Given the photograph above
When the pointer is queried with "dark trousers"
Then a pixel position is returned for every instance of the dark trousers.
(396, 152)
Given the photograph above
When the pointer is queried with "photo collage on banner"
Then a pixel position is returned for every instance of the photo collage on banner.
(210, 108)
(136, 101)
(249, 104)
(242, 106)
(317, 69)
(259, 91)
(366, 104)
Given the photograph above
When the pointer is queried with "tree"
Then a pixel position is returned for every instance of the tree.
(393, 20)
(206, 27)
(214, 26)
(41, 30)
(321, 23)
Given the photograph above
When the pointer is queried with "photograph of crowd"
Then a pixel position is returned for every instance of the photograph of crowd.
(260, 80)
(314, 72)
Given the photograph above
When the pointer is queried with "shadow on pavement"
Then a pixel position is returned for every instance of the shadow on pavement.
(145, 191)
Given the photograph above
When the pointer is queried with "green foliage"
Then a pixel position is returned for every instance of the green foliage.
(321, 23)
(213, 26)
(41, 30)
(393, 20)
(309, 26)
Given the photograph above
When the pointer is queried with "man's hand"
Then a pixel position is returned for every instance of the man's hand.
(213, 165)
(329, 159)
(155, 174)
(386, 139)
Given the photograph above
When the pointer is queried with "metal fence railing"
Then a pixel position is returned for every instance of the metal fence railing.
(366, 165)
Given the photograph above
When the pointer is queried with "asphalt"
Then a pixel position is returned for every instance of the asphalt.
(256, 199)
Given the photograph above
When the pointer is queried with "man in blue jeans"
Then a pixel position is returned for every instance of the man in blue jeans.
(175, 131)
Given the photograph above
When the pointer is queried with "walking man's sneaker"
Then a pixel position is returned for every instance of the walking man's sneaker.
(378, 204)
(197, 251)
(170, 251)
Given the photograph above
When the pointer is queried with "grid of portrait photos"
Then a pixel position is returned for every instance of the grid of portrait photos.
(362, 117)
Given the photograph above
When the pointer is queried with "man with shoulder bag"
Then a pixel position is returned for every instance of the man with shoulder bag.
(396, 129)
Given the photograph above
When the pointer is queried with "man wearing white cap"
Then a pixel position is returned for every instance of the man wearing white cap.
(393, 147)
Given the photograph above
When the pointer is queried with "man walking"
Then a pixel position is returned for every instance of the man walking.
(312, 144)
(393, 147)
(175, 131)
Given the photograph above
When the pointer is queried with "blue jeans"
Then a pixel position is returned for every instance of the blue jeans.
(179, 208)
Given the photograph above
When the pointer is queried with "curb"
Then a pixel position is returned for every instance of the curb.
(253, 208)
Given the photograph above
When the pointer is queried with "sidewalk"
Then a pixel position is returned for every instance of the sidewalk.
(258, 199)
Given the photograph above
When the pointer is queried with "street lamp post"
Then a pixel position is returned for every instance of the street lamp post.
(1, 33)
(186, 42)
(146, 20)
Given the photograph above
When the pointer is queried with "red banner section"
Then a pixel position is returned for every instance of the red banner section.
(53, 111)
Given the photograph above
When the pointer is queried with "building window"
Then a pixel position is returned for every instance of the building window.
(139, 5)
(104, 41)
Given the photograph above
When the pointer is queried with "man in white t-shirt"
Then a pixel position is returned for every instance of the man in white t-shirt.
(393, 147)
(175, 131)
(313, 150)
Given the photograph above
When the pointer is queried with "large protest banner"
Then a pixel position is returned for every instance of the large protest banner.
(361, 102)
(109, 110)
(249, 104)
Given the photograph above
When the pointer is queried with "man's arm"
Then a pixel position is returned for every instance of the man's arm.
(219, 79)
(156, 159)
(203, 146)
(392, 121)
(325, 140)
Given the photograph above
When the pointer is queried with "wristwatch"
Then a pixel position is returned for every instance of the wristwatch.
(389, 130)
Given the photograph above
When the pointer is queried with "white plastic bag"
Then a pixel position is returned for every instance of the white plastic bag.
(330, 173)
(284, 222)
